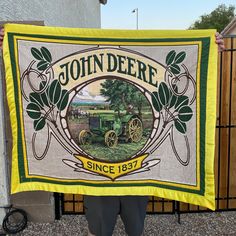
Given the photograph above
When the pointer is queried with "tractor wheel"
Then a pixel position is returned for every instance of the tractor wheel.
(85, 137)
(111, 138)
(135, 130)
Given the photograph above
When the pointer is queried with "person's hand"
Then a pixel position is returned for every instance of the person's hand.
(1, 36)
(219, 41)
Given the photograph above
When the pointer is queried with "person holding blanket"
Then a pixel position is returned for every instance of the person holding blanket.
(102, 211)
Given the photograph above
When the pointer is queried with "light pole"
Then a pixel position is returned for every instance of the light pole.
(136, 10)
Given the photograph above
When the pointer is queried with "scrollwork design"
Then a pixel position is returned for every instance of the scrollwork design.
(173, 103)
(45, 101)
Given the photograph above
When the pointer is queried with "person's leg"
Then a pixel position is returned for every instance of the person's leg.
(133, 212)
(101, 214)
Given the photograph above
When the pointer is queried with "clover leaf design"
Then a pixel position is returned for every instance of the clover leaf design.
(176, 107)
(173, 60)
(42, 104)
(43, 101)
(44, 57)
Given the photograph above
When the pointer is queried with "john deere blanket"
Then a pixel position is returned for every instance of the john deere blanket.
(112, 112)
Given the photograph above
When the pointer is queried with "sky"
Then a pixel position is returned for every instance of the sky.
(156, 14)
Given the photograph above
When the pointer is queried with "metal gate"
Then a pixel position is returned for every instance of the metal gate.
(225, 152)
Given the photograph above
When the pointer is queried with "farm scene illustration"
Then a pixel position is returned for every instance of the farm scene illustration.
(110, 119)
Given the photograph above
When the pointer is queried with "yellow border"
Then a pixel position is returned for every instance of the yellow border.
(211, 119)
(106, 33)
(122, 34)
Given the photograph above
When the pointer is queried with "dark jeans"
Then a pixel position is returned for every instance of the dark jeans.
(101, 213)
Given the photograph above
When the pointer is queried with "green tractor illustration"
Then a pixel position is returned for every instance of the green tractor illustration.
(111, 128)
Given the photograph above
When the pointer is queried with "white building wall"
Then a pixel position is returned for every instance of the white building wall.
(4, 185)
(65, 13)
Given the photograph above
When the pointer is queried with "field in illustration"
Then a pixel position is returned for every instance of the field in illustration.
(110, 119)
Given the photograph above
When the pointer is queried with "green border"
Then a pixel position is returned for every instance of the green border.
(203, 89)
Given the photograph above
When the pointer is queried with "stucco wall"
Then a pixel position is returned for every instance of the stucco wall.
(66, 13)
(4, 188)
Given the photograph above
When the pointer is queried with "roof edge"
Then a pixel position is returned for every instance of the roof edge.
(229, 26)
